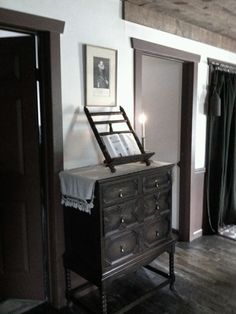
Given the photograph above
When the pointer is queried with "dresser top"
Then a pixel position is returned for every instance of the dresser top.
(98, 172)
(78, 185)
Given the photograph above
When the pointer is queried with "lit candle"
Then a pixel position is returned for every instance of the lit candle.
(142, 120)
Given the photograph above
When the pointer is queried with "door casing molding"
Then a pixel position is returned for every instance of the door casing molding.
(48, 31)
(188, 118)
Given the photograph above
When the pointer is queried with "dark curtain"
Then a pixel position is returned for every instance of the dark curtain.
(220, 184)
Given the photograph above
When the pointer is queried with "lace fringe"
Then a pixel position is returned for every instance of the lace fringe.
(79, 204)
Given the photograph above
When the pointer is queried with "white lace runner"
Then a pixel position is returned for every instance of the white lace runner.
(82, 205)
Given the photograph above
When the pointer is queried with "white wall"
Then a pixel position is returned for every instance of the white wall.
(98, 22)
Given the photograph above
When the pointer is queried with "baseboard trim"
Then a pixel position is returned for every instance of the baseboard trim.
(175, 233)
(196, 234)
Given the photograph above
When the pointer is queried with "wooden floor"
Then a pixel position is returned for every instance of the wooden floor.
(205, 281)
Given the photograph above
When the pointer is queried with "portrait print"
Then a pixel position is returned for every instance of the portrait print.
(101, 69)
(100, 76)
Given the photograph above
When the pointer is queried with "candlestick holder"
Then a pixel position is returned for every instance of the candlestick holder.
(142, 120)
(143, 142)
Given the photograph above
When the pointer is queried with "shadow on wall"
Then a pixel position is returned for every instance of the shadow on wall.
(80, 145)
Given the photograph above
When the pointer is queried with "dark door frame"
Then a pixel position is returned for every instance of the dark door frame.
(188, 118)
(48, 33)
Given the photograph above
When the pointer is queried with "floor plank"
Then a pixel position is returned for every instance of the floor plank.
(205, 282)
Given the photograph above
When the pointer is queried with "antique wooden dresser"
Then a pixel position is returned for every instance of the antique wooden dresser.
(128, 227)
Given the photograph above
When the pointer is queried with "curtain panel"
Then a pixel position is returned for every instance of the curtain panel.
(220, 181)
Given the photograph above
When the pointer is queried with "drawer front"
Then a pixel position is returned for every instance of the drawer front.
(156, 231)
(121, 247)
(121, 216)
(119, 191)
(156, 204)
(156, 182)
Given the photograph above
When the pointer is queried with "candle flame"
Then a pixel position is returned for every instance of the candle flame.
(142, 118)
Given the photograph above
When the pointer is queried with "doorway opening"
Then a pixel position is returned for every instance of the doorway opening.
(161, 102)
(220, 180)
(24, 254)
(51, 146)
(183, 66)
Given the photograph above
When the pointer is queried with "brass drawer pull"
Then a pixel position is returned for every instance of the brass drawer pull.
(121, 194)
(122, 220)
(157, 206)
(157, 234)
(156, 184)
(122, 250)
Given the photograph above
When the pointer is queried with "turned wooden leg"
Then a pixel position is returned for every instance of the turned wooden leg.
(68, 287)
(103, 299)
(171, 267)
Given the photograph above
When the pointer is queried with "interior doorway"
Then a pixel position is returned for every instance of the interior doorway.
(220, 179)
(187, 62)
(161, 103)
(23, 271)
(48, 32)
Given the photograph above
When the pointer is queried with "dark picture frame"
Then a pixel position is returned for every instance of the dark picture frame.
(101, 76)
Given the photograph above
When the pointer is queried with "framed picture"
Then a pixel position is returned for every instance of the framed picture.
(100, 76)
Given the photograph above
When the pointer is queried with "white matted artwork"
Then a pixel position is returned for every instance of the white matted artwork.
(100, 76)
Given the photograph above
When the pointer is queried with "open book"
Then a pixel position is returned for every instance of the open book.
(123, 144)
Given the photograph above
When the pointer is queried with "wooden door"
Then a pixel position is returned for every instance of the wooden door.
(21, 259)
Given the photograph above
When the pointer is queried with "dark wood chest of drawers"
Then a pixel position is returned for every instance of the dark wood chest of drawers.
(129, 226)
